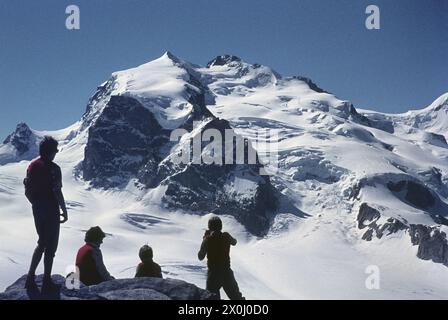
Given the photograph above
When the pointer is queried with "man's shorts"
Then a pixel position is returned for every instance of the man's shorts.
(47, 222)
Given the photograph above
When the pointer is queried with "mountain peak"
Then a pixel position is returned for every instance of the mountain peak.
(169, 55)
(22, 130)
(22, 145)
(223, 60)
(22, 126)
(440, 103)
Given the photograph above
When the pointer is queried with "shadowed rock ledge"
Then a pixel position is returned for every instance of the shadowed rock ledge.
(119, 289)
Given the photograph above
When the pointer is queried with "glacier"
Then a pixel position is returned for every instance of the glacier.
(353, 188)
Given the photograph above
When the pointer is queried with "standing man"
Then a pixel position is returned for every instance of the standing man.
(43, 188)
(216, 246)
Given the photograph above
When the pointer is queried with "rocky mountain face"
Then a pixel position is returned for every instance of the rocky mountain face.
(22, 144)
(124, 139)
(430, 238)
(234, 189)
(119, 289)
(391, 169)
(129, 140)
(21, 138)
(431, 241)
(386, 174)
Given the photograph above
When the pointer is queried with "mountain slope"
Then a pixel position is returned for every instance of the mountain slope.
(129, 141)
(349, 188)
(327, 145)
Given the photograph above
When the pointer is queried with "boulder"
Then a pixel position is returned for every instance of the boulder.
(118, 289)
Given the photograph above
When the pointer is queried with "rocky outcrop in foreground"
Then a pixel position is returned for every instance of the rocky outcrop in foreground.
(120, 289)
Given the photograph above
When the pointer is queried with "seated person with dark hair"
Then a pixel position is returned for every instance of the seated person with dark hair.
(147, 268)
(89, 259)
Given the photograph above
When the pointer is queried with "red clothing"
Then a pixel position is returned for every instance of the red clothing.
(89, 261)
(43, 177)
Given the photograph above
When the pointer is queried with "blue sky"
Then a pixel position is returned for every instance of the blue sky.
(47, 72)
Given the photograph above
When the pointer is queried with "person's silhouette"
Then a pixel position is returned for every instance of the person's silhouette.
(43, 184)
(147, 268)
(89, 259)
(216, 246)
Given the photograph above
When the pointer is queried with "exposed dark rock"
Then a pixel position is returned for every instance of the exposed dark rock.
(21, 139)
(368, 235)
(377, 121)
(222, 60)
(373, 121)
(313, 86)
(22, 144)
(386, 126)
(96, 103)
(355, 191)
(211, 188)
(120, 289)
(433, 177)
(440, 219)
(368, 218)
(415, 193)
(367, 215)
(432, 243)
(435, 139)
(392, 226)
(444, 106)
(122, 140)
(387, 146)
(348, 111)
(126, 142)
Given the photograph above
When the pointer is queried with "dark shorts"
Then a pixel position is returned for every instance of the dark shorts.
(47, 222)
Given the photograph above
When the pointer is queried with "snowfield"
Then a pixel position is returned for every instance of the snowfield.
(332, 158)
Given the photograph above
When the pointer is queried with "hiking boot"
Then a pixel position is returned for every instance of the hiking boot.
(49, 286)
(30, 283)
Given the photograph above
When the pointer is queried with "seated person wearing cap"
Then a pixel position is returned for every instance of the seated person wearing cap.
(89, 259)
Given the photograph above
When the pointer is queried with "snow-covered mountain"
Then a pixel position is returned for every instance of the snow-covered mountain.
(352, 188)
(22, 144)
(129, 122)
